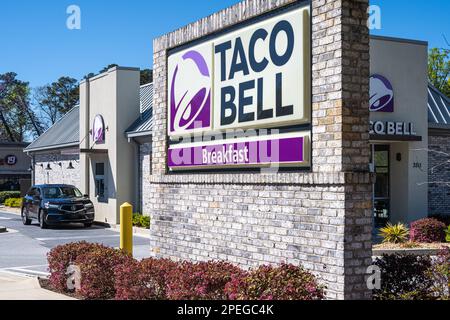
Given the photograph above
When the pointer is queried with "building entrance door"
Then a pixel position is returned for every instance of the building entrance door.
(382, 192)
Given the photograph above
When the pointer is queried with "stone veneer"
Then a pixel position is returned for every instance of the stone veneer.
(58, 174)
(439, 172)
(321, 219)
(145, 156)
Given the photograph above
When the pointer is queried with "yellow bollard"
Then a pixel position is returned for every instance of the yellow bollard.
(126, 228)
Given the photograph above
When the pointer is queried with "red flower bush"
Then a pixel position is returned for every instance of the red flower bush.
(427, 230)
(285, 282)
(145, 280)
(61, 257)
(97, 271)
(201, 281)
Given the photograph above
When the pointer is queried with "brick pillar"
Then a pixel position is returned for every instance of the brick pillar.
(320, 219)
(341, 70)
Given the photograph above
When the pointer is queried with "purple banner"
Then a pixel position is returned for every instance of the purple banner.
(259, 152)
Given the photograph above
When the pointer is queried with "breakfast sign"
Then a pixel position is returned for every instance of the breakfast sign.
(251, 79)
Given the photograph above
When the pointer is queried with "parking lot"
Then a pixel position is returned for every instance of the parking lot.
(23, 249)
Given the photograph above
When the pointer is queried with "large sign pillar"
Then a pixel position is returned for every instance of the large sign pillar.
(296, 73)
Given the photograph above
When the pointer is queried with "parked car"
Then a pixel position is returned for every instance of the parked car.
(57, 204)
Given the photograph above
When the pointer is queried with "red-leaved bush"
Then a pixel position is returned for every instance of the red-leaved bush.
(427, 230)
(201, 281)
(61, 257)
(97, 272)
(144, 280)
(285, 282)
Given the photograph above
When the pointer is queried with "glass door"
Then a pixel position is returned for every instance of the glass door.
(381, 167)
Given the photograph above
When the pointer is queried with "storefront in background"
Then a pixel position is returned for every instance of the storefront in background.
(15, 174)
(195, 149)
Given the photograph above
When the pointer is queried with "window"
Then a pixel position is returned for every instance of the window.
(61, 193)
(100, 181)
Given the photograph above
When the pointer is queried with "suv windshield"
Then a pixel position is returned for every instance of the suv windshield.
(61, 192)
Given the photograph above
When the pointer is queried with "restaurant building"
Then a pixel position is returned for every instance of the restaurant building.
(273, 131)
(15, 174)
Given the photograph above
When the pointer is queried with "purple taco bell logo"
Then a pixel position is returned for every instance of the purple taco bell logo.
(98, 129)
(190, 93)
(381, 94)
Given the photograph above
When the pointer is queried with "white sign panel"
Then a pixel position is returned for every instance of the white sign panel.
(257, 76)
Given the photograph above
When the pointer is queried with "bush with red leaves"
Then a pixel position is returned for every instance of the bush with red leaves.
(97, 272)
(61, 257)
(285, 282)
(145, 280)
(427, 230)
(201, 281)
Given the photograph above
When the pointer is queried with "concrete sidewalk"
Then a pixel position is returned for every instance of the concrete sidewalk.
(17, 287)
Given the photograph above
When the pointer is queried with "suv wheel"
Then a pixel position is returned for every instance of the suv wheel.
(42, 222)
(25, 220)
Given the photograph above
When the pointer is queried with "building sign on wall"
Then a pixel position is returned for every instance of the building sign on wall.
(381, 94)
(10, 160)
(255, 77)
(392, 128)
(98, 129)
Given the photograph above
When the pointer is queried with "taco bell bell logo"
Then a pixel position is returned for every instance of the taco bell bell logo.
(190, 93)
(381, 94)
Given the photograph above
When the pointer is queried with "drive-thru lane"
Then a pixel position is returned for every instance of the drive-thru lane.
(23, 249)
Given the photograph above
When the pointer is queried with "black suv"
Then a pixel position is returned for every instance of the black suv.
(56, 204)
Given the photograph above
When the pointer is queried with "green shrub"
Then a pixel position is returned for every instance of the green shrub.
(394, 233)
(8, 194)
(141, 221)
(13, 202)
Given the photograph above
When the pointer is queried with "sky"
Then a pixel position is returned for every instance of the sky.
(37, 45)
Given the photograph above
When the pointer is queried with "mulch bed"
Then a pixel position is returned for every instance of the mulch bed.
(409, 245)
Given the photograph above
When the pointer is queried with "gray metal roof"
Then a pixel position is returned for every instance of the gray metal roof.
(64, 133)
(438, 108)
(143, 125)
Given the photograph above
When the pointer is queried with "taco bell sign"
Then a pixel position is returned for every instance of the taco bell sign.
(253, 77)
(381, 94)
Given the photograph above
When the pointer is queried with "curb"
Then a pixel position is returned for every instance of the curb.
(3, 229)
(116, 228)
(418, 252)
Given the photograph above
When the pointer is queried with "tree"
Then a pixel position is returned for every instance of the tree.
(439, 69)
(17, 119)
(56, 99)
(146, 76)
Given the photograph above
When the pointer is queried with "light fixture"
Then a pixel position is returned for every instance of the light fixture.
(48, 167)
(70, 167)
(31, 168)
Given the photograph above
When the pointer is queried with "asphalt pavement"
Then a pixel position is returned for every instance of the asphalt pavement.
(23, 249)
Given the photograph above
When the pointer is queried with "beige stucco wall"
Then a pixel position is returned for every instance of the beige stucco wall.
(114, 95)
(404, 64)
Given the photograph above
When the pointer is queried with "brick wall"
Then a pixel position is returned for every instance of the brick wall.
(320, 219)
(439, 174)
(145, 171)
(58, 174)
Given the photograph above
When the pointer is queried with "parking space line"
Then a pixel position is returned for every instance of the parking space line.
(77, 238)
